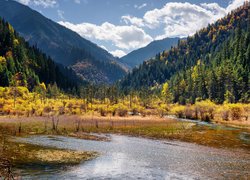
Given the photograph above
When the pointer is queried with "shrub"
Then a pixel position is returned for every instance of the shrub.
(236, 111)
(61, 110)
(178, 111)
(102, 111)
(3, 92)
(189, 113)
(225, 115)
(122, 110)
(47, 109)
(206, 110)
(83, 107)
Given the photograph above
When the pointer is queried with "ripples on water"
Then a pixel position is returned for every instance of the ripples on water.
(138, 158)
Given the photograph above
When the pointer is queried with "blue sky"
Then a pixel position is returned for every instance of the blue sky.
(121, 26)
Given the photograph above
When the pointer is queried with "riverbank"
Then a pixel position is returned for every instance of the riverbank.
(126, 157)
(15, 154)
(94, 128)
(220, 136)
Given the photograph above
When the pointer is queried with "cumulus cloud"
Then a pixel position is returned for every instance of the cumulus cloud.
(174, 19)
(234, 4)
(181, 19)
(118, 53)
(133, 20)
(123, 37)
(43, 3)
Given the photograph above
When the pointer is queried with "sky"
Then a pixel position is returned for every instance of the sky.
(121, 26)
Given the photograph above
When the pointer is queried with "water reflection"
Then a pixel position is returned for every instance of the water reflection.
(135, 158)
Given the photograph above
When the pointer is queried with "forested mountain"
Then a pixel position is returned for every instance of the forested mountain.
(138, 56)
(213, 64)
(23, 65)
(61, 44)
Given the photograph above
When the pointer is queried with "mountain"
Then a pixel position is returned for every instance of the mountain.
(24, 65)
(213, 64)
(138, 56)
(61, 44)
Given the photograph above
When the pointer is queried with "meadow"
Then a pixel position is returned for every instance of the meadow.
(25, 113)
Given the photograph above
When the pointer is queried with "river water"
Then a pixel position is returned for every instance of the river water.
(139, 158)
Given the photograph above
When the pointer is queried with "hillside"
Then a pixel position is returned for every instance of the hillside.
(23, 65)
(212, 64)
(61, 44)
(138, 56)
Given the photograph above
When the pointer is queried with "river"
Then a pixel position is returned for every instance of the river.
(139, 158)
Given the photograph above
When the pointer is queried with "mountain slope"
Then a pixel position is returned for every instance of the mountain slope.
(23, 65)
(214, 64)
(138, 56)
(63, 45)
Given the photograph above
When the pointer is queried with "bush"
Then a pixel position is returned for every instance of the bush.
(206, 110)
(189, 113)
(102, 111)
(179, 111)
(47, 109)
(236, 111)
(3, 92)
(122, 112)
(225, 115)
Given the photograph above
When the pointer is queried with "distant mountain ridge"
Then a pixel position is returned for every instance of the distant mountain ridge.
(63, 45)
(138, 56)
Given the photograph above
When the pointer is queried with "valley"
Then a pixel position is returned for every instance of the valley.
(169, 107)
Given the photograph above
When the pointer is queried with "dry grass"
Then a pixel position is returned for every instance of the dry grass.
(18, 154)
(149, 127)
(53, 156)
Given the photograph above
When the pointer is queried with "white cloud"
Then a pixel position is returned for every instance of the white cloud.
(133, 20)
(60, 13)
(43, 3)
(103, 47)
(140, 6)
(123, 37)
(174, 19)
(118, 53)
(181, 19)
(25, 2)
(234, 4)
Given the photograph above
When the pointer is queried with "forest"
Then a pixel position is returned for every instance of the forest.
(194, 96)
(213, 64)
(23, 65)
(212, 67)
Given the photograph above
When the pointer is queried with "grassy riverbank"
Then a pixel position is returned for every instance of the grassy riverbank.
(18, 154)
(14, 154)
(149, 127)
